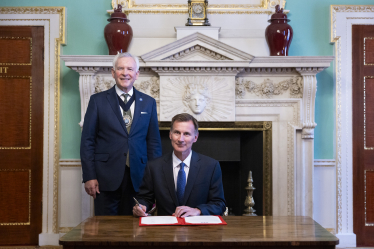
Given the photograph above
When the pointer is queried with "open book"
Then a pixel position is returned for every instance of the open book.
(175, 221)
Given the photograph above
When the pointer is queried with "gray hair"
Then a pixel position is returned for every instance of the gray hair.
(121, 55)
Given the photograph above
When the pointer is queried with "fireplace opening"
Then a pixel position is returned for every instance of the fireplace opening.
(239, 149)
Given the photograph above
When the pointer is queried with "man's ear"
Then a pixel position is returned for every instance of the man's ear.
(196, 136)
(113, 72)
(137, 75)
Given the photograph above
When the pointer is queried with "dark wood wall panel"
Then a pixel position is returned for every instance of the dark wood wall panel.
(369, 115)
(20, 158)
(14, 192)
(369, 51)
(15, 50)
(14, 112)
(370, 196)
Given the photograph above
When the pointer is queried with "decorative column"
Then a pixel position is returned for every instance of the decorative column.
(305, 184)
(86, 87)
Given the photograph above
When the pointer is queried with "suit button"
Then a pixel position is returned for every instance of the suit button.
(124, 154)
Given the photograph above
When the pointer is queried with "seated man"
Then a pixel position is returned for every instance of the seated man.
(183, 183)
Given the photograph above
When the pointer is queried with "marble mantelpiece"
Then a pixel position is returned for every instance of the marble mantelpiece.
(243, 88)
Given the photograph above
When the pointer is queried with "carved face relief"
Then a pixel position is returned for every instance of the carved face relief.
(197, 96)
(197, 103)
(200, 96)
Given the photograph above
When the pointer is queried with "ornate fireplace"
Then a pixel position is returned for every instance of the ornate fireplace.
(219, 85)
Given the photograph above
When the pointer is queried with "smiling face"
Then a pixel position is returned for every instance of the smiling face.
(182, 136)
(125, 73)
(197, 103)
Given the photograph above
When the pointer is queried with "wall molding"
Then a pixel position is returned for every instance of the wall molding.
(324, 163)
(70, 163)
(343, 17)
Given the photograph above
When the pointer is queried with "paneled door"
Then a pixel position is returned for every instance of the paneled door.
(363, 133)
(21, 134)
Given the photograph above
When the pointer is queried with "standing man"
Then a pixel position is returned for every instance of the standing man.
(182, 183)
(120, 134)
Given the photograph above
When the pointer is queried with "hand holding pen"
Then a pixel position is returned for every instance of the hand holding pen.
(139, 210)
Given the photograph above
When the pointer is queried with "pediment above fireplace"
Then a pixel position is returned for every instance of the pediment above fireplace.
(197, 53)
(199, 48)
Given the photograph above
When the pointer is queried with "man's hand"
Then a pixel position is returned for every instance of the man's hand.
(184, 211)
(139, 211)
(92, 187)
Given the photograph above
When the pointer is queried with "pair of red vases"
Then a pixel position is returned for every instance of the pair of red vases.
(118, 34)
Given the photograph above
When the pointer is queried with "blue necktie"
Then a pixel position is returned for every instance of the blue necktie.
(181, 183)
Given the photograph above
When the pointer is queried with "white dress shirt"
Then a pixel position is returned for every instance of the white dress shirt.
(130, 93)
(176, 167)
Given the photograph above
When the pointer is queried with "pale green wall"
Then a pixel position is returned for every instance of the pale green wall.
(86, 19)
(310, 20)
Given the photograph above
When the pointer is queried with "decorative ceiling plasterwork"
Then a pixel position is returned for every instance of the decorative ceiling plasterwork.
(133, 6)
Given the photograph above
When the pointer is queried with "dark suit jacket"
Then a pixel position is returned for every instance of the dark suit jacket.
(204, 189)
(105, 140)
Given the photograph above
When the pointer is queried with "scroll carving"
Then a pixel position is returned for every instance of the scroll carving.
(268, 88)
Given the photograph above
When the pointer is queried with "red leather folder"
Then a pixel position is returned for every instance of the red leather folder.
(182, 222)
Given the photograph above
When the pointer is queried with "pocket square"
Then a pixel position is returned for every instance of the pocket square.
(143, 112)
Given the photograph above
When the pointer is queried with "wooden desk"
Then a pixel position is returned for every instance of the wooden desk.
(240, 232)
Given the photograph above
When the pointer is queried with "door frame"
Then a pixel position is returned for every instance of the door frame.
(342, 19)
(53, 20)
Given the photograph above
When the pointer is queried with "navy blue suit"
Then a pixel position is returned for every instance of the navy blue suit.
(204, 189)
(105, 141)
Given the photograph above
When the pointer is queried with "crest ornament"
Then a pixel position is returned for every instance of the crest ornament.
(128, 120)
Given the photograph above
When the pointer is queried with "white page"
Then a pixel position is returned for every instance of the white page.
(203, 219)
(154, 220)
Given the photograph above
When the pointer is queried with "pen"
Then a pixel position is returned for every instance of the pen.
(150, 211)
(136, 201)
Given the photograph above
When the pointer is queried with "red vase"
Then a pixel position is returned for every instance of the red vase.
(279, 34)
(118, 34)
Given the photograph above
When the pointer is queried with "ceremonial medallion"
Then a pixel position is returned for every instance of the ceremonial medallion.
(128, 120)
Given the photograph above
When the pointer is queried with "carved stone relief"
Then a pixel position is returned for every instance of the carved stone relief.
(197, 49)
(151, 87)
(268, 88)
(103, 84)
(206, 98)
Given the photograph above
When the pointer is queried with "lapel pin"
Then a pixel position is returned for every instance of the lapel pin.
(140, 99)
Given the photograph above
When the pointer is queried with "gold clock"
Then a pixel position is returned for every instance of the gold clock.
(197, 14)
